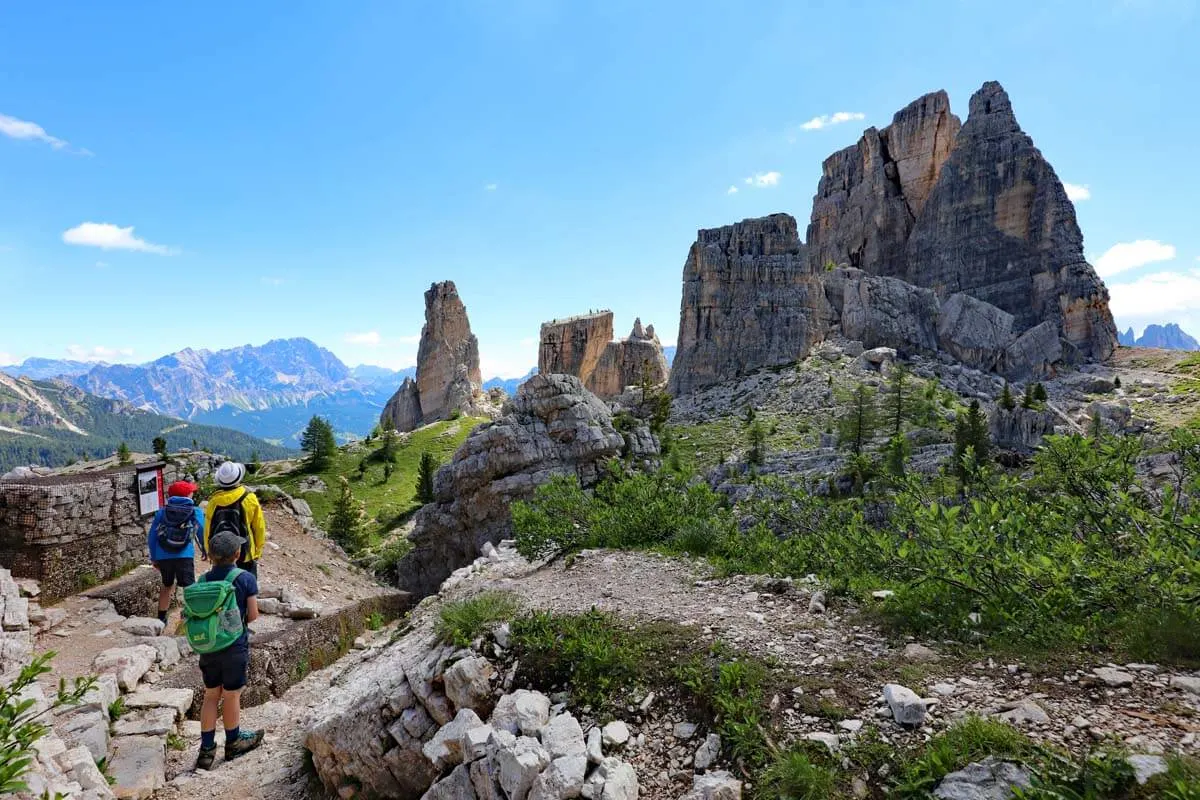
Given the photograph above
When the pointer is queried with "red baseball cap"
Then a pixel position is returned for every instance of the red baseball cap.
(181, 489)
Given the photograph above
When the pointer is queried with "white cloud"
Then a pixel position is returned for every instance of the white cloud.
(369, 338)
(731, 190)
(107, 236)
(6, 359)
(761, 180)
(1077, 192)
(1125, 256)
(491, 187)
(1156, 294)
(837, 118)
(98, 353)
(20, 129)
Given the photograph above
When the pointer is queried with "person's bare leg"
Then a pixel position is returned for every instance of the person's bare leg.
(231, 710)
(208, 712)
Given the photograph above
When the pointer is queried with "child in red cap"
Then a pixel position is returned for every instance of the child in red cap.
(175, 528)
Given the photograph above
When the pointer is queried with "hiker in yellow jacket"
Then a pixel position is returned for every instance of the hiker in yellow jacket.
(236, 509)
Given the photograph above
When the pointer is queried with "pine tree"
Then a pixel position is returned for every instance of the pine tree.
(857, 424)
(1027, 401)
(160, 446)
(1006, 399)
(897, 455)
(388, 444)
(749, 416)
(319, 443)
(1039, 392)
(901, 401)
(1096, 428)
(756, 437)
(347, 522)
(123, 455)
(387, 471)
(426, 469)
(970, 436)
(362, 469)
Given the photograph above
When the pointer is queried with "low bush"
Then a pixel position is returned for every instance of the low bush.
(463, 621)
(798, 775)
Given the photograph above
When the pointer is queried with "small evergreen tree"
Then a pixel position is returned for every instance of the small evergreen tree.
(159, 445)
(1039, 392)
(901, 401)
(425, 471)
(387, 471)
(756, 437)
(972, 442)
(123, 455)
(749, 416)
(1006, 399)
(255, 463)
(388, 443)
(857, 424)
(1117, 382)
(347, 522)
(1096, 428)
(1027, 401)
(319, 443)
(362, 468)
(897, 456)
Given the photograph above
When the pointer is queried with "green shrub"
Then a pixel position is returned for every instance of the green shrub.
(795, 775)
(972, 739)
(116, 709)
(463, 621)
(733, 693)
(374, 621)
(22, 725)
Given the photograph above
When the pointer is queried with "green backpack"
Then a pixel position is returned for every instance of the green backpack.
(211, 615)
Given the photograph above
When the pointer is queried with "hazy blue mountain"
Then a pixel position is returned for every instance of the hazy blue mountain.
(40, 369)
(669, 352)
(52, 423)
(509, 385)
(269, 391)
(1167, 337)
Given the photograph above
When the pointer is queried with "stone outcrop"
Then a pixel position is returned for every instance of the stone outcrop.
(553, 426)
(999, 226)
(871, 193)
(750, 300)
(448, 377)
(583, 346)
(1020, 429)
(925, 236)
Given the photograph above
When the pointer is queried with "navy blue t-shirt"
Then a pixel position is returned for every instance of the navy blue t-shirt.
(244, 586)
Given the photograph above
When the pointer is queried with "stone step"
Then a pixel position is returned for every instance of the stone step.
(138, 765)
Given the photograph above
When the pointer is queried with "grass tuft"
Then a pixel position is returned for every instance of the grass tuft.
(463, 621)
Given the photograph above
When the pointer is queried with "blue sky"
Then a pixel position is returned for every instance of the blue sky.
(260, 170)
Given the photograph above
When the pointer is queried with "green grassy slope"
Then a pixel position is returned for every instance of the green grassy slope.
(388, 503)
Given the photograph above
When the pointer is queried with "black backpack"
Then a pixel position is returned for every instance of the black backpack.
(178, 527)
(231, 519)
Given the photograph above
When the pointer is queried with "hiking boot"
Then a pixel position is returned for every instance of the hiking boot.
(247, 741)
(206, 757)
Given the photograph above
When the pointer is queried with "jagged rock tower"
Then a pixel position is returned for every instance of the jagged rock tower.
(925, 236)
(583, 346)
(448, 376)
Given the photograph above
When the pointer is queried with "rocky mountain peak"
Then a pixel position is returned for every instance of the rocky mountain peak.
(991, 110)
(583, 346)
(448, 377)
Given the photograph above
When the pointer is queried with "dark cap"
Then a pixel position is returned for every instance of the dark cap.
(225, 545)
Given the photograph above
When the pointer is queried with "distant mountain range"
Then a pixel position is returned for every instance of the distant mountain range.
(52, 423)
(1167, 337)
(268, 391)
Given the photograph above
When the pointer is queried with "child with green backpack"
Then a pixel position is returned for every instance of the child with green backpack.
(215, 611)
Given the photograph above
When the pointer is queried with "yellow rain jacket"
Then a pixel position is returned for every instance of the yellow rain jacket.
(254, 517)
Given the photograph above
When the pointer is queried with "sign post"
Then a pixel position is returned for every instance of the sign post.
(150, 489)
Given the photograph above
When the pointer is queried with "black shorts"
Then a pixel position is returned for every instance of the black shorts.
(226, 669)
(178, 570)
(249, 566)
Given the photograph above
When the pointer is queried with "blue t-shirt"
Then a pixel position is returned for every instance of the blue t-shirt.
(244, 586)
(158, 553)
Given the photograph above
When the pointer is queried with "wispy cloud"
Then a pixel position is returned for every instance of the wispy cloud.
(1077, 192)
(98, 353)
(836, 118)
(7, 358)
(1124, 256)
(761, 180)
(107, 236)
(491, 187)
(731, 190)
(368, 338)
(15, 128)
(1156, 294)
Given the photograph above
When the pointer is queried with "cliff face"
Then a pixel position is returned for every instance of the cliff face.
(871, 193)
(583, 346)
(926, 235)
(998, 225)
(448, 377)
(750, 300)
